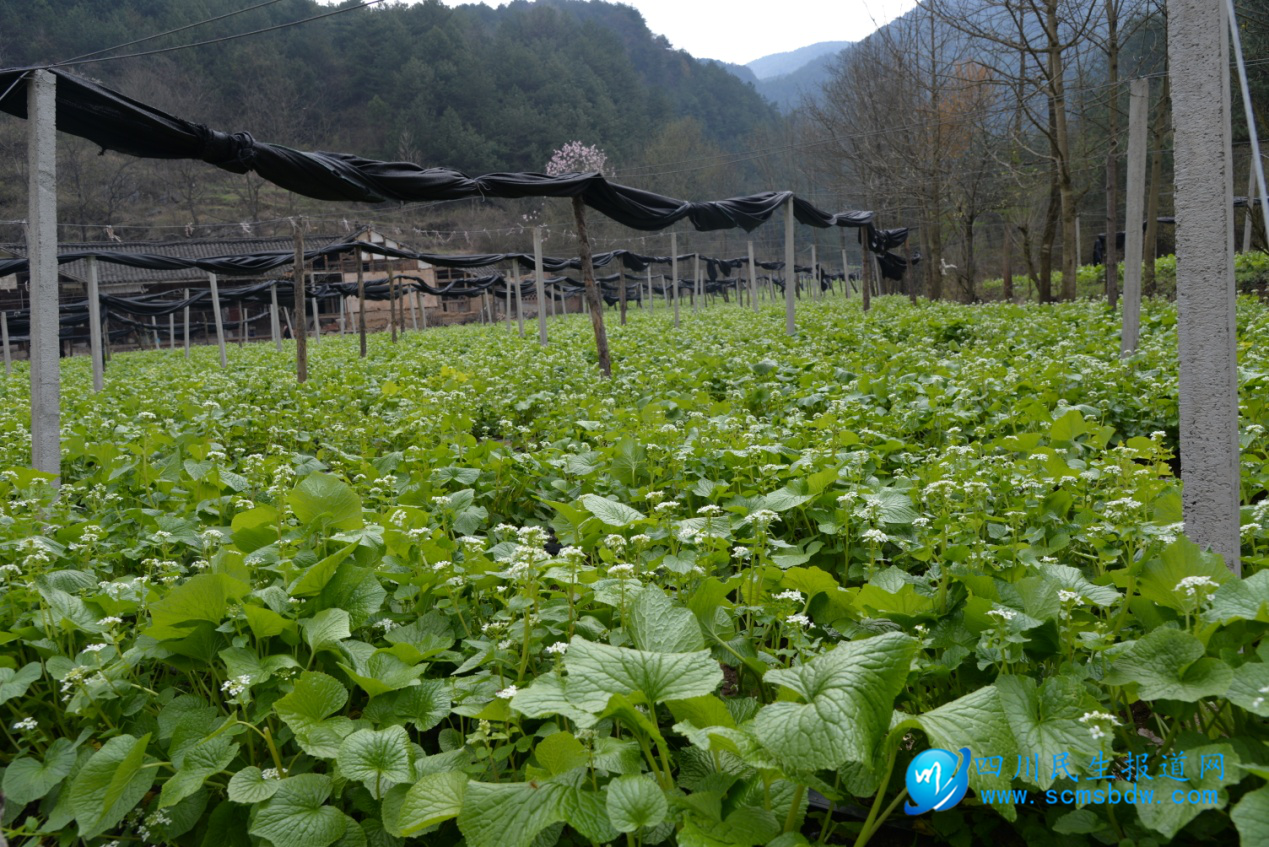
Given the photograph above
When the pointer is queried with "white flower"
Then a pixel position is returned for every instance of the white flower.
(504, 644)
(386, 624)
(558, 648)
(1158, 435)
(111, 620)
(763, 518)
(26, 724)
(1065, 596)
(876, 535)
(95, 648)
(740, 552)
(270, 773)
(798, 620)
(508, 692)
(709, 510)
(1099, 717)
(795, 596)
(442, 501)
(1003, 614)
(667, 506)
(615, 543)
(1191, 584)
(237, 685)
(622, 571)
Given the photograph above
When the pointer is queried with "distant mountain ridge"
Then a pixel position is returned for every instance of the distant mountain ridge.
(780, 64)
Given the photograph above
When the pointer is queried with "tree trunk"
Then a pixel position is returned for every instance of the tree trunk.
(1007, 260)
(1044, 285)
(591, 289)
(971, 293)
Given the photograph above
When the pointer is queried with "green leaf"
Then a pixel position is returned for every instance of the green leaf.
(1248, 686)
(596, 670)
(200, 599)
(15, 683)
(1044, 720)
(1181, 558)
(320, 495)
(266, 623)
(1243, 599)
(634, 802)
(313, 580)
(435, 798)
(509, 814)
(560, 752)
(297, 816)
(848, 698)
(611, 512)
(249, 786)
(384, 672)
(424, 705)
(255, 528)
(194, 764)
(976, 721)
(29, 779)
(1070, 579)
(1168, 663)
(307, 710)
(326, 629)
(379, 758)
(896, 506)
(1169, 817)
(110, 784)
(1251, 816)
(659, 625)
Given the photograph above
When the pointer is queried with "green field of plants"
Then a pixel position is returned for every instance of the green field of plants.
(466, 591)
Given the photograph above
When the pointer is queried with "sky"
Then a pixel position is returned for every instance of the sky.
(740, 31)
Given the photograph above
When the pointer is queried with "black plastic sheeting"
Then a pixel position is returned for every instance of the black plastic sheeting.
(114, 121)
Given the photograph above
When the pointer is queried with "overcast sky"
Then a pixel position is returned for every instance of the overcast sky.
(743, 30)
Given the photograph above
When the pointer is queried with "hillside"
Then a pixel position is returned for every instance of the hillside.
(472, 87)
(780, 64)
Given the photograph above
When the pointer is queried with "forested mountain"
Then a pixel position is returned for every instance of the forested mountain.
(472, 87)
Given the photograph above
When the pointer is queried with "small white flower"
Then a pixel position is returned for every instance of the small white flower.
(709, 510)
(1065, 596)
(386, 624)
(95, 648)
(667, 506)
(558, 648)
(26, 724)
(798, 620)
(795, 596)
(622, 571)
(1003, 614)
(237, 685)
(876, 536)
(1191, 584)
(508, 692)
(270, 773)
(504, 644)
(740, 552)
(110, 620)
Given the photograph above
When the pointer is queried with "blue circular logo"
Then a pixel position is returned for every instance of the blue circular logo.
(937, 780)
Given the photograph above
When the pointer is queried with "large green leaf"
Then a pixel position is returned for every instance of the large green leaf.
(435, 798)
(610, 511)
(110, 784)
(28, 779)
(249, 786)
(1251, 816)
(307, 710)
(379, 758)
(297, 815)
(561, 752)
(194, 765)
(424, 705)
(597, 670)
(1245, 599)
(848, 697)
(1181, 559)
(634, 802)
(510, 814)
(200, 599)
(1044, 719)
(15, 683)
(976, 721)
(326, 629)
(1168, 663)
(1248, 687)
(659, 625)
(1169, 817)
(321, 495)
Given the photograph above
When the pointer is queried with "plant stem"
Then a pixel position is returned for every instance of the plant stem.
(793, 808)
(866, 832)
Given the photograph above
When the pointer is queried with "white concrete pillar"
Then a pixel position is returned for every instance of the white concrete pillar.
(185, 294)
(4, 340)
(94, 327)
(753, 280)
(674, 271)
(1138, 115)
(275, 326)
(1198, 52)
(540, 283)
(790, 276)
(41, 236)
(220, 327)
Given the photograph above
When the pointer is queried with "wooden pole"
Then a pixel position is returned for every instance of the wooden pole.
(540, 283)
(815, 275)
(1198, 52)
(300, 328)
(753, 280)
(220, 328)
(865, 272)
(41, 236)
(845, 275)
(185, 297)
(94, 328)
(652, 301)
(275, 326)
(591, 289)
(1138, 115)
(790, 276)
(422, 304)
(519, 298)
(674, 272)
(343, 315)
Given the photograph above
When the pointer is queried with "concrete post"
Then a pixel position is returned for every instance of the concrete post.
(1198, 51)
(41, 236)
(539, 283)
(1138, 115)
(519, 300)
(506, 280)
(361, 305)
(275, 326)
(846, 275)
(698, 290)
(94, 328)
(171, 331)
(418, 301)
(815, 275)
(4, 340)
(1251, 194)
(414, 309)
(652, 301)
(343, 315)
(185, 295)
(674, 271)
(753, 280)
(220, 328)
(299, 329)
(790, 277)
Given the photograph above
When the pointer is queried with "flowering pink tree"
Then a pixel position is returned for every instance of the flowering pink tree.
(577, 158)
